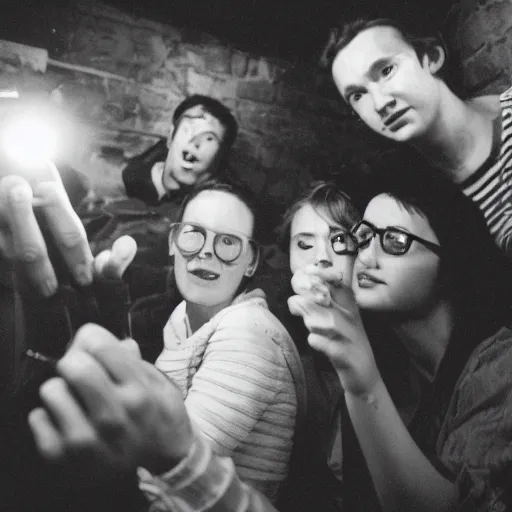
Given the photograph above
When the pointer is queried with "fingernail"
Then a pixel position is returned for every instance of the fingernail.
(83, 274)
(49, 287)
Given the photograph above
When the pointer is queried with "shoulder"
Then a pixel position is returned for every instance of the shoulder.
(497, 349)
(488, 105)
(487, 372)
(253, 315)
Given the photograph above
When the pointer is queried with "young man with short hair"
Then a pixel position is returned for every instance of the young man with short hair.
(200, 138)
(393, 79)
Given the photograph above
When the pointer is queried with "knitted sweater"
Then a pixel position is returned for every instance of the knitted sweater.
(239, 373)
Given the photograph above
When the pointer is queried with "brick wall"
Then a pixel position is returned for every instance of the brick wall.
(115, 72)
(483, 42)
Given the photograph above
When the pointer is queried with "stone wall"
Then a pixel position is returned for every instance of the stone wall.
(483, 41)
(121, 77)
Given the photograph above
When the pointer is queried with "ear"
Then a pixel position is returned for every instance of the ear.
(171, 248)
(434, 59)
(251, 269)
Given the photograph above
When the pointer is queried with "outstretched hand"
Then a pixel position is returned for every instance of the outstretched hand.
(25, 193)
(331, 315)
(109, 412)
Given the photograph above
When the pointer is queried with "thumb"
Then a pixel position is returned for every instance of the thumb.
(119, 258)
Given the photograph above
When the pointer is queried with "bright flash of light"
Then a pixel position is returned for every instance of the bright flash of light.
(28, 140)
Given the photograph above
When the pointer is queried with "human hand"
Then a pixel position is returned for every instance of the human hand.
(109, 411)
(24, 194)
(331, 315)
(111, 264)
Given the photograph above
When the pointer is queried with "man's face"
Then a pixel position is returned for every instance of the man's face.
(380, 76)
(194, 148)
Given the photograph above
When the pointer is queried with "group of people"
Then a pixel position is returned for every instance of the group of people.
(388, 385)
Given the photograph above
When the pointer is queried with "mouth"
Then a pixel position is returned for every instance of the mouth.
(395, 117)
(204, 274)
(365, 280)
(189, 159)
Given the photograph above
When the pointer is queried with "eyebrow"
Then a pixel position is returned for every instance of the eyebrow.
(403, 228)
(332, 229)
(303, 233)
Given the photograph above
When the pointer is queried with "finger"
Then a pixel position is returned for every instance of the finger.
(304, 283)
(49, 441)
(132, 346)
(65, 411)
(119, 258)
(120, 364)
(337, 353)
(296, 305)
(66, 230)
(93, 386)
(326, 274)
(99, 263)
(29, 247)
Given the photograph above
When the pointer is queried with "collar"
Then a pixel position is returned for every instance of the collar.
(157, 173)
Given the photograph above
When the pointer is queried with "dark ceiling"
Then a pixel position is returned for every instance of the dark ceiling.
(291, 29)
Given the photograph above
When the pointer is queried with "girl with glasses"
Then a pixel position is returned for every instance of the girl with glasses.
(428, 268)
(235, 363)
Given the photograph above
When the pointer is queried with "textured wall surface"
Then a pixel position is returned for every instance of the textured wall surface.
(116, 73)
(483, 40)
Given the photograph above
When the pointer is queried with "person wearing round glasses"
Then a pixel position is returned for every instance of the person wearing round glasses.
(428, 268)
(235, 363)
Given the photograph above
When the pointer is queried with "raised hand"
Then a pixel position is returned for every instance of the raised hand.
(109, 411)
(25, 193)
(332, 317)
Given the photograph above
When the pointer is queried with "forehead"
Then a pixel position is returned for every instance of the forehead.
(220, 211)
(199, 118)
(309, 220)
(370, 45)
(384, 211)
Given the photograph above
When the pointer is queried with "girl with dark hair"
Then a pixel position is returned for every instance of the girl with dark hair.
(235, 363)
(428, 268)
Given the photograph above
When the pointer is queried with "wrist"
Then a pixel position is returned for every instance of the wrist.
(367, 396)
(183, 449)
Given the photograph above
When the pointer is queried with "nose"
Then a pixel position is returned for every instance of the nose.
(382, 100)
(197, 140)
(367, 255)
(207, 249)
(322, 257)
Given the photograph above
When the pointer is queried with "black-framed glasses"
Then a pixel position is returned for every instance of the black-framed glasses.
(343, 242)
(393, 240)
(190, 238)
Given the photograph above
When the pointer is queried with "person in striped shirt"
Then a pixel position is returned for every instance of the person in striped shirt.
(395, 79)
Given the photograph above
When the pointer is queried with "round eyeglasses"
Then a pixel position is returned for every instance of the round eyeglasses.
(394, 241)
(190, 238)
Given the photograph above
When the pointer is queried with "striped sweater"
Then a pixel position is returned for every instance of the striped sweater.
(490, 187)
(238, 374)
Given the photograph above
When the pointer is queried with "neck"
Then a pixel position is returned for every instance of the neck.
(427, 337)
(460, 140)
(198, 315)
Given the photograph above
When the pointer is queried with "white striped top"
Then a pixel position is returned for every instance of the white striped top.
(238, 374)
(490, 187)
